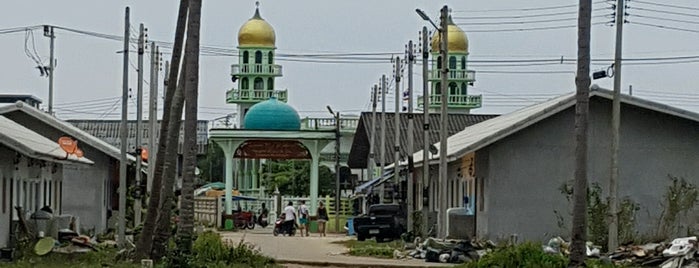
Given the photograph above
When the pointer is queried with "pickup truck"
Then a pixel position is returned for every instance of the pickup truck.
(384, 221)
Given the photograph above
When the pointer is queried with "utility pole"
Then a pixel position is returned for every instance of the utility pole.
(48, 31)
(139, 118)
(337, 168)
(396, 136)
(425, 130)
(371, 169)
(152, 113)
(410, 180)
(123, 133)
(443, 135)
(613, 234)
(383, 134)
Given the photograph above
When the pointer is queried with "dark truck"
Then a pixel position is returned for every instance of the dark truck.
(384, 221)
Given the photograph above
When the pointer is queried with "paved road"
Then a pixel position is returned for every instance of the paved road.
(313, 251)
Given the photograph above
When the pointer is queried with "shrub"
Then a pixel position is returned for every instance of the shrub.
(209, 251)
(528, 255)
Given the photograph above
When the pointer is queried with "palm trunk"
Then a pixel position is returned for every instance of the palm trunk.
(163, 227)
(582, 83)
(145, 242)
(189, 148)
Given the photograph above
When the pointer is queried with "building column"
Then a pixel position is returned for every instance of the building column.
(239, 163)
(229, 181)
(255, 170)
(315, 162)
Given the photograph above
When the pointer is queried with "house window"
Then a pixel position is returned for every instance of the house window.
(258, 57)
(246, 55)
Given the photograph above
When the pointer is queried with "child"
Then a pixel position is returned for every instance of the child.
(303, 217)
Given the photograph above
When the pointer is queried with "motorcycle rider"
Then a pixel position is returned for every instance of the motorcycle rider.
(264, 213)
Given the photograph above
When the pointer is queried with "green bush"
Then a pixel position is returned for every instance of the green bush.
(209, 251)
(528, 255)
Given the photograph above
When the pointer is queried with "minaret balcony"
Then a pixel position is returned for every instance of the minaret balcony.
(454, 101)
(256, 69)
(346, 124)
(435, 75)
(254, 95)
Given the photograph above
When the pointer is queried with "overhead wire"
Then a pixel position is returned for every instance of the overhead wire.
(667, 5)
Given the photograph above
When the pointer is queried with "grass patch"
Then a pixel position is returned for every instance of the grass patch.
(527, 255)
(370, 248)
(102, 258)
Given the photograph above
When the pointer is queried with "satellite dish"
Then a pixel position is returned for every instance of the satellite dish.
(433, 149)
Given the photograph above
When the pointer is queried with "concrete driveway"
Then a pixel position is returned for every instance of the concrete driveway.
(300, 251)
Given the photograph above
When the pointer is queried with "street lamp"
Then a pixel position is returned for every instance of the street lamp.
(443, 135)
(337, 166)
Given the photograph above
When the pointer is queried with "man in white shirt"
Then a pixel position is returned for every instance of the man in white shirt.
(289, 218)
(303, 217)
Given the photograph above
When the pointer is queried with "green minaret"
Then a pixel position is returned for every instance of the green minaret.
(459, 76)
(255, 72)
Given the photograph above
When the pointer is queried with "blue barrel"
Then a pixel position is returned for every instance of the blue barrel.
(350, 226)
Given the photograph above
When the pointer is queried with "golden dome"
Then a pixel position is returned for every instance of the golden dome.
(457, 39)
(256, 32)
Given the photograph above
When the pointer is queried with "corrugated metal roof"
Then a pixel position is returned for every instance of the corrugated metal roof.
(31, 144)
(485, 133)
(69, 129)
(359, 152)
(108, 130)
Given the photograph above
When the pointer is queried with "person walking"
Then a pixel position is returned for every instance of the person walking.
(289, 218)
(322, 213)
(303, 217)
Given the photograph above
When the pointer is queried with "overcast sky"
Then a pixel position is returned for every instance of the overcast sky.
(89, 72)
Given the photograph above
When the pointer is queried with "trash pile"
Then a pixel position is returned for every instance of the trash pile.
(680, 253)
(449, 251)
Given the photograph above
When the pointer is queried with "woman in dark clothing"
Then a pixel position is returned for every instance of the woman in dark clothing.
(322, 213)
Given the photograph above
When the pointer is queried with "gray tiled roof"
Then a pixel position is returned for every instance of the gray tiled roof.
(108, 131)
(359, 153)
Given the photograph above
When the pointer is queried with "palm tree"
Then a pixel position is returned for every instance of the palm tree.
(186, 224)
(145, 241)
(582, 83)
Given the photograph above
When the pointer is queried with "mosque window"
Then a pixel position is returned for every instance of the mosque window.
(270, 58)
(270, 83)
(244, 83)
(452, 62)
(258, 57)
(463, 89)
(259, 83)
(437, 88)
(245, 57)
(463, 62)
(453, 88)
(439, 62)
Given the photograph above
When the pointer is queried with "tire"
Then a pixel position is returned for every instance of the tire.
(360, 237)
(240, 225)
(275, 232)
(250, 225)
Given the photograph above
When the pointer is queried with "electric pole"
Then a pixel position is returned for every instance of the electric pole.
(48, 31)
(616, 120)
(396, 137)
(123, 135)
(383, 133)
(443, 135)
(410, 180)
(425, 129)
(139, 118)
(152, 113)
(371, 169)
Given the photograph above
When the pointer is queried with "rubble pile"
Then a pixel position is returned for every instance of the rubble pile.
(449, 251)
(680, 253)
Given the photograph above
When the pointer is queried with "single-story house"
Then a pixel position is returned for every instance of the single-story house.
(514, 166)
(89, 192)
(31, 174)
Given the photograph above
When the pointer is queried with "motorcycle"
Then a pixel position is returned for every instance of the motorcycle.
(279, 227)
(262, 218)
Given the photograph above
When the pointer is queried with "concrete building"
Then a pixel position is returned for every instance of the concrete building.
(89, 192)
(31, 174)
(513, 166)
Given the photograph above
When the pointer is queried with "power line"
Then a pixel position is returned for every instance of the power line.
(667, 5)
(516, 9)
(524, 16)
(665, 27)
(522, 22)
(529, 29)
(667, 12)
(665, 19)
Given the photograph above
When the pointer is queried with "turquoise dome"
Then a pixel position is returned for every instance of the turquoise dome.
(272, 115)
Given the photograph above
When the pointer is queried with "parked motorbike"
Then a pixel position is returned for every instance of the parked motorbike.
(262, 218)
(279, 227)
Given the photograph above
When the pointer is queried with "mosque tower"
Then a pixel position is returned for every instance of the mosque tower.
(255, 72)
(459, 77)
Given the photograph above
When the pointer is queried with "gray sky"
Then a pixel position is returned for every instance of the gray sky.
(89, 69)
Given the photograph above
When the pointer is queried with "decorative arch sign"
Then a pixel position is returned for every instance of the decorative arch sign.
(272, 149)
